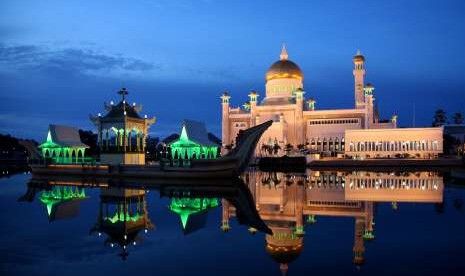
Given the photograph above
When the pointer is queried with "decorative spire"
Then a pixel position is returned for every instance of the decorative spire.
(123, 92)
(284, 268)
(358, 52)
(284, 55)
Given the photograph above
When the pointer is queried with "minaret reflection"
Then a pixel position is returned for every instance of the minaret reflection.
(122, 216)
(286, 202)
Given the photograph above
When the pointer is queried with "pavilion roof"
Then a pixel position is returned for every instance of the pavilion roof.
(117, 111)
(64, 136)
(196, 132)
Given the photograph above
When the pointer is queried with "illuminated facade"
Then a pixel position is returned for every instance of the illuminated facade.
(63, 145)
(122, 132)
(390, 143)
(288, 203)
(297, 121)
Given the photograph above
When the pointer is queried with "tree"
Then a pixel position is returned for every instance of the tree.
(276, 148)
(264, 148)
(89, 138)
(151, 148)
(288, 148)
(458, 118)
(440, 118)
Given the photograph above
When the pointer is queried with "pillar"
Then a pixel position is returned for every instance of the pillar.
(359, 247)
(225, 124)
(253, 96)
(299, 115)
(225, 220)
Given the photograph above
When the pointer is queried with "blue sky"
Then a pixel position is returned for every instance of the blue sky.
(60, 60)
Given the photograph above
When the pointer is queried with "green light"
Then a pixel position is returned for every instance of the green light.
(299, 231)
(186, 206)
(311, 219)
(124, 218)
(60, 194)
(369, 235)
(184, 147)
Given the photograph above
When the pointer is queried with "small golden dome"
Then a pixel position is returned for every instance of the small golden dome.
(284, 254)
(359, 57)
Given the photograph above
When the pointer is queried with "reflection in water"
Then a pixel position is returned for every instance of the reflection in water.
(286, 202)
(122, 216)
(277, 204)
(62, 201)
(192, 211)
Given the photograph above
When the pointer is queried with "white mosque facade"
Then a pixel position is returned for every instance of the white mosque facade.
(297, 121)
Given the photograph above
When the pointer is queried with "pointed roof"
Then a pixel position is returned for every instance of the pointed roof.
(196, 132)
(64, 136)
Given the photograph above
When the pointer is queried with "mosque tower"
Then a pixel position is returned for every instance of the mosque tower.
(359, 77)
(225, 139)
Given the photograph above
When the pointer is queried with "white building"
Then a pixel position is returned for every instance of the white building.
(298, 123)
(391, 143)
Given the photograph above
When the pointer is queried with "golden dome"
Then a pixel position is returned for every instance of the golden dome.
(284, 68)
(284, 254)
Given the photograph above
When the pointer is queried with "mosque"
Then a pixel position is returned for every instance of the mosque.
(299, 124)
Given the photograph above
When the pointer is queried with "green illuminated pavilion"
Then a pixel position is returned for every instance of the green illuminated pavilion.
(186, 207)
(193, 142)
(63, 145)
(60, 195)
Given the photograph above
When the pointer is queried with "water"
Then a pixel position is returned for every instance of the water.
(419, 228)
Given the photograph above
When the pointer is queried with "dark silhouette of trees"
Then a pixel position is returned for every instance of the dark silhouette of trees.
(458, 118)
(440, 118)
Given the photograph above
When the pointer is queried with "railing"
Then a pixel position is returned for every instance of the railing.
(117, 149)
(61, 161)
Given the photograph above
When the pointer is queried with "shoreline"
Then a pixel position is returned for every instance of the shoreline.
(418, 163)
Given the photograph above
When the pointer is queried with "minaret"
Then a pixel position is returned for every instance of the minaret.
(225, 139)
(359, 248)
(299, 117)
(359, 77)
(311, 104)
(225, 221)
(369, 222)
(299, 206)
(369, 106)
(253, 96)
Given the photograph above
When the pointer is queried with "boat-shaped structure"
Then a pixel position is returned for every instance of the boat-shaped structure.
(230, 165)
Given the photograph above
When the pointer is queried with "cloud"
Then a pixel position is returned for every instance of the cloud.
(69, 60)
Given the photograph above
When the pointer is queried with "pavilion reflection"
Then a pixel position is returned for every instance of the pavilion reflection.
(286, 202)
(122, 216)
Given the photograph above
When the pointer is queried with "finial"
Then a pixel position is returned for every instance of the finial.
(123, 92)
(358, 52)
(284, 55)
(284, 268)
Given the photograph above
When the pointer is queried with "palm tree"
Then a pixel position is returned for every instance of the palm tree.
(301, 147)
(264, 149)
(276, 148)
(458, 118)
(440, 118)
(288, 148)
